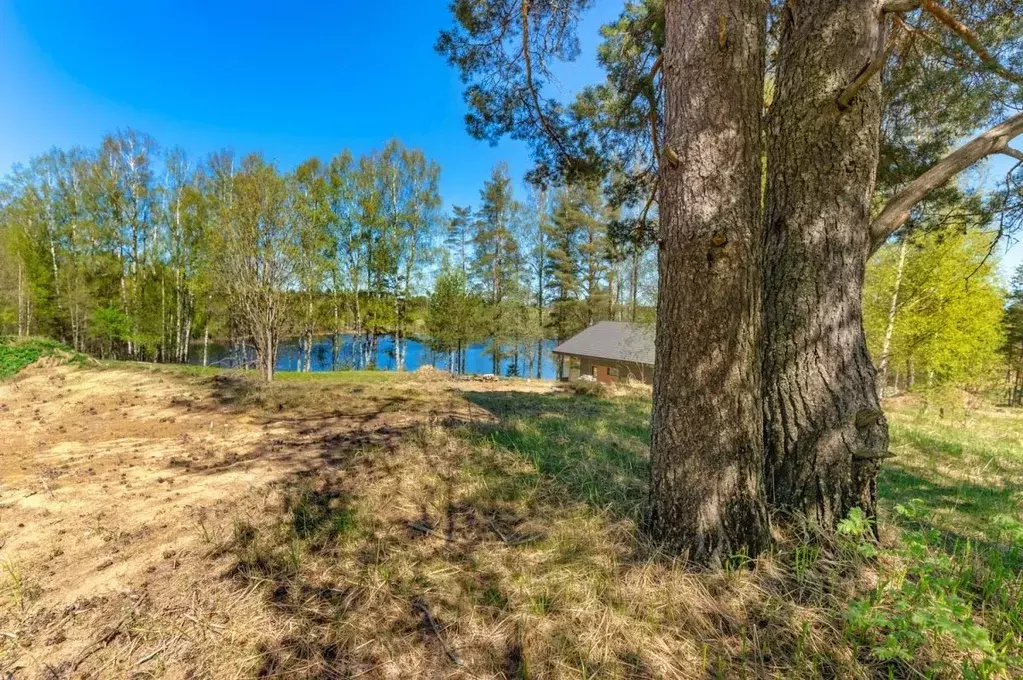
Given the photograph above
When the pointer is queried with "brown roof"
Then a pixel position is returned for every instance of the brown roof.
(615, 340)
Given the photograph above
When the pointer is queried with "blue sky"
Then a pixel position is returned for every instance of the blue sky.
(290, 79)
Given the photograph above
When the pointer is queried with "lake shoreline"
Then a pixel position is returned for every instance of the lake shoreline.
(325, 356)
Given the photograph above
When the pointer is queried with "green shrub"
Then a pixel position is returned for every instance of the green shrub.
(947, 613)
(16, 354)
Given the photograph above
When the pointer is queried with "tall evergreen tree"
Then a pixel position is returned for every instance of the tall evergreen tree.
(458, 238)
(496, 258)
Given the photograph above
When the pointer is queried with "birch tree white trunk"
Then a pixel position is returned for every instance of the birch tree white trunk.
(882, 367)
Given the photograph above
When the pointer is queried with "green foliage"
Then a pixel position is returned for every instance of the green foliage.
(453, 318)
(947, 323)
(857, 527)
(938, 91)
(947, 597)
(17, 354)
(99, 249)
(578, 266)
(109, 324)
(929, 603)
(486, 45)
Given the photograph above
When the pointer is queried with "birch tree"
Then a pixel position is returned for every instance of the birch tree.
(258, 254)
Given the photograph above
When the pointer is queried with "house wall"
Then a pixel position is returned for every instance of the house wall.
(607, 371)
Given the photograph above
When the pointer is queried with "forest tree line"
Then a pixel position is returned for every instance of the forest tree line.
(128, 251)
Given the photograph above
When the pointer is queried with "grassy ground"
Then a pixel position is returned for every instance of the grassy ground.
(518, 536)
(459, 529)
(959, 474)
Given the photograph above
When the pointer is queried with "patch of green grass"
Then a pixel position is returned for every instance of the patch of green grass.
(596, 449)
(16, 354)
(321, 517)
(19, 588)
(959, 474)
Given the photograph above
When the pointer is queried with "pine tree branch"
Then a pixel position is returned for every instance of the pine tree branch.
(654, 134)
(971, 39)
(882, 52)
(527, 60)
(901, 6)
(944, 17)
(1012, 153)
(897, 210)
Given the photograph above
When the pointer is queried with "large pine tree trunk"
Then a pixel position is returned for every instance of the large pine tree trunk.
(707, 494)
(824, 428)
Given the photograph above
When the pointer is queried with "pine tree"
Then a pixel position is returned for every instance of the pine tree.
(458, 238)
(495, 258)
(452, 316)
(564, 270)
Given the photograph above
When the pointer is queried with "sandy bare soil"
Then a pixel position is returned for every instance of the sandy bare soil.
(112, 483)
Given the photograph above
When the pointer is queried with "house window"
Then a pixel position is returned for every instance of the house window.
(613, 372)
(593, 370)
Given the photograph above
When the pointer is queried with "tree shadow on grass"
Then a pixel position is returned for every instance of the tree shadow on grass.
(974, 508)
(596, 449)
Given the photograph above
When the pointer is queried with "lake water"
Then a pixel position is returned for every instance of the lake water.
(417, 354)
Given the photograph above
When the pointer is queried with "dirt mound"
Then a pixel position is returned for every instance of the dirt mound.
(18, 354)
(429, 373)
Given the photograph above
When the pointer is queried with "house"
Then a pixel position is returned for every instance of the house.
(610, 351)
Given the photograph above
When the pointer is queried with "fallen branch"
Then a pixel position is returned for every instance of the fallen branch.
(152, 655)
(515, 540)
(423, 607)
(425, 529)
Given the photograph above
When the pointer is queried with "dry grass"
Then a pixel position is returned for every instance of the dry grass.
(517, 579)
(424, 528)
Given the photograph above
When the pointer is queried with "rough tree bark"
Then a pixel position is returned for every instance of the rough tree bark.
(824, 430)
(707, 493)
